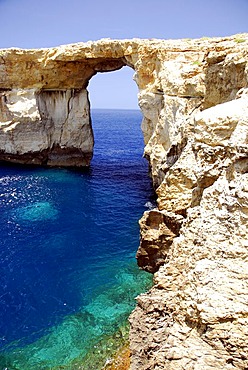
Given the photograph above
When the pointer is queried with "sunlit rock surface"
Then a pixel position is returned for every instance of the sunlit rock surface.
(194, 98)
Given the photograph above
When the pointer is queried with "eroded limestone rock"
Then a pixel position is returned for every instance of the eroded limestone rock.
(194, 98)
(195, 316)
(158, 229)
(45, 127)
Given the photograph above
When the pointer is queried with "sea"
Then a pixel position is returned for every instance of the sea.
(68, 240)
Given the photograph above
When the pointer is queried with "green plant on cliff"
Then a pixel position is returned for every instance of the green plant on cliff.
(197, 63)
(239, 41)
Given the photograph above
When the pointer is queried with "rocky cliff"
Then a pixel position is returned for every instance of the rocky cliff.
(194, 100)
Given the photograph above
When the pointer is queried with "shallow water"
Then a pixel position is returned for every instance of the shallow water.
(67, 249)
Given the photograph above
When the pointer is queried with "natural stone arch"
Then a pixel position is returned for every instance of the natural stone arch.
(44, 107)
(193, 96)
(51, 125)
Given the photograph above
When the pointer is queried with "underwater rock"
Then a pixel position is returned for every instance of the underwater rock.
(38, 211)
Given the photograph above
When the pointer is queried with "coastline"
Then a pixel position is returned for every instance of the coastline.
(193, 96)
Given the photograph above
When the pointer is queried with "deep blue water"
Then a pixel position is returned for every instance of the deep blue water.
(67, 247)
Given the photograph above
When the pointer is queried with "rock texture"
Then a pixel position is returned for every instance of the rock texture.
(194, 100)
(195, 316)
(45, 127)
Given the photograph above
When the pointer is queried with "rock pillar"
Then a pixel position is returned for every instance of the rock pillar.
(48, 127)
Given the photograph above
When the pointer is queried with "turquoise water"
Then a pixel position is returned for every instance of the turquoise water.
(67, 249)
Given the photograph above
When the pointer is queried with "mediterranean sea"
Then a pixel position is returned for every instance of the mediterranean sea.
(68, 240)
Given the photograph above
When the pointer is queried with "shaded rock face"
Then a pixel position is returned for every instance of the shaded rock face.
(45, 127)
(194, 98)
(157, 231)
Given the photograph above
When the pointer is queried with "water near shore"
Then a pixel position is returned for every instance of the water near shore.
(67, 251)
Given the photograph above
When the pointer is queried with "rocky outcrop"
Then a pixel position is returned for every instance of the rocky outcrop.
(45, 127)
(157, 232)
(195, 316)
(194, 100)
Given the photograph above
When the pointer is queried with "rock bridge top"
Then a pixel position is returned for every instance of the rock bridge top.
(71, 66)
(44, 107)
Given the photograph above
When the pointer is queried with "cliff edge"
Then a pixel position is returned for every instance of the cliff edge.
(194, 98)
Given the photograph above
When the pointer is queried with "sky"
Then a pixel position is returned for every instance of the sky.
(46, 23)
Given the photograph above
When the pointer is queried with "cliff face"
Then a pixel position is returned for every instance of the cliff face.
(45, 127)
(194, 100)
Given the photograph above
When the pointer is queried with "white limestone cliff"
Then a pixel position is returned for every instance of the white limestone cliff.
(194, 98)
(45, 127)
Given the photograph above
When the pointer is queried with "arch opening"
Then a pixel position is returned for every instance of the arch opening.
(113, 90)
(116, 119)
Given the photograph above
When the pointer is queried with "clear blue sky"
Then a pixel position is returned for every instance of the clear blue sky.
(45, 23)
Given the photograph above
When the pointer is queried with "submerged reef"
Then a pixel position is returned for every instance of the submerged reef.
(194, 98)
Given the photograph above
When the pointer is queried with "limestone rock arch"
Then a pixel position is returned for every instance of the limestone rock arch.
(194, 98)
(45, 114)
